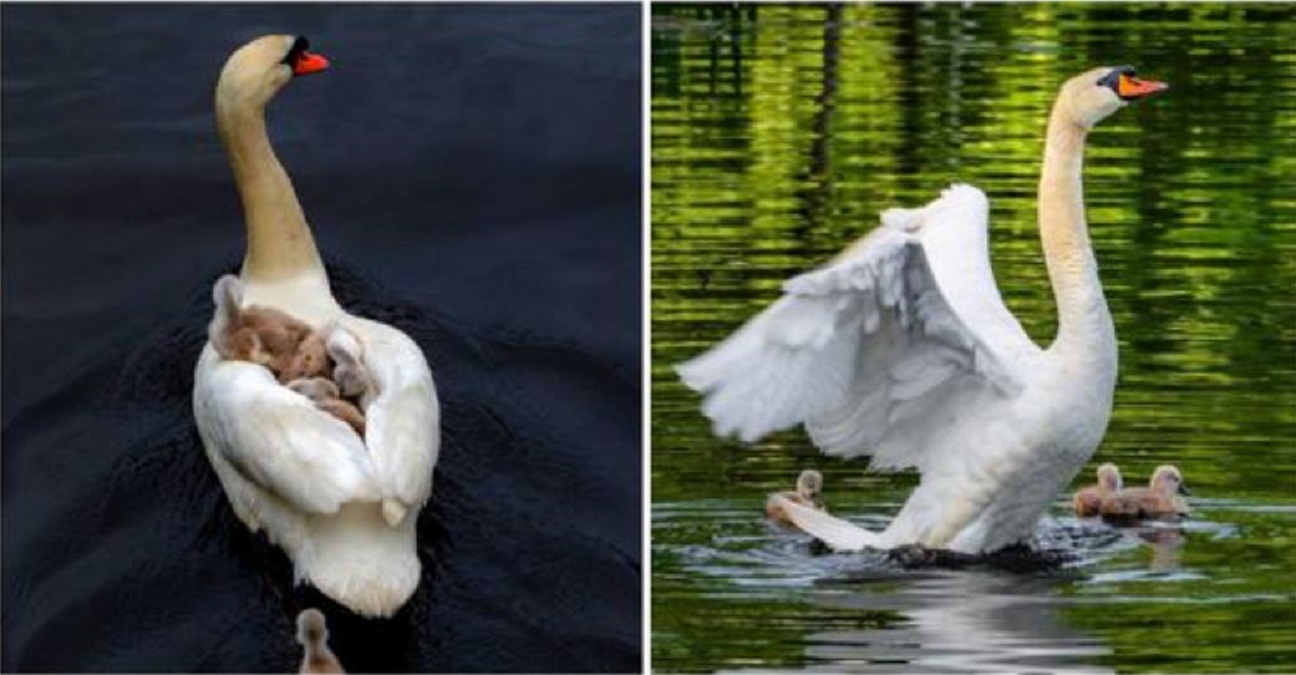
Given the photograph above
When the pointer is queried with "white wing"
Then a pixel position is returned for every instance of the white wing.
(879, 349)
(277, 439)
(403, 423)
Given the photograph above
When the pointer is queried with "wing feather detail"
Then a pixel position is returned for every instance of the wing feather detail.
(278, 440)
(876, 351)
(404, 420)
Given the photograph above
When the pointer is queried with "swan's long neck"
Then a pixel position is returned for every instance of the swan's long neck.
(279, 242)
(1084, 323)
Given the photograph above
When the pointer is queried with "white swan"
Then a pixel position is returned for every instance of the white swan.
(901, 348)
(343, 509)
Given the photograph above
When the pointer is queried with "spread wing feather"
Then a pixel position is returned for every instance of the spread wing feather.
(877, 351)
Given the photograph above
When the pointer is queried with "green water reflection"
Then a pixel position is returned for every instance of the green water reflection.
(778, 134)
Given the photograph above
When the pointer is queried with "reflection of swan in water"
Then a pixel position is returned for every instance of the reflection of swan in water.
(902, 349)
(964, 621)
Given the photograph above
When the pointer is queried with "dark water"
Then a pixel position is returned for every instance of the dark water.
(780, 132)
(473, 177)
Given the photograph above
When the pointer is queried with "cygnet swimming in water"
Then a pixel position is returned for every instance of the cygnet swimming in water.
(1160, 499)
(808, 486)
(312, 633)
(1088, 501)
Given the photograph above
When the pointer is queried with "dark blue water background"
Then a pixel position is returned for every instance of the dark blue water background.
(472, 175)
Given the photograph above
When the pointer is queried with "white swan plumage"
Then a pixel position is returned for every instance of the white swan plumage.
(901, 348)
(343, 509)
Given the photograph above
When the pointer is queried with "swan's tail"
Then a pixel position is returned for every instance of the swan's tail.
(838, 534)
(356, 559)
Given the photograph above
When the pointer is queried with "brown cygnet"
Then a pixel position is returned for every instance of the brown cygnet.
(298, 355)
(1160, 499)
(808, 486)
(312, 633)
(325, 395)
(1088, 501)
(289, 347)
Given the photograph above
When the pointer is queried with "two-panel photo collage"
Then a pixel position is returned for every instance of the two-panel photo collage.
(648, 337)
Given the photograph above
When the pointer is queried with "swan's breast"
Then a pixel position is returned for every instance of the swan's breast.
(1077, 405)
(1032, 448)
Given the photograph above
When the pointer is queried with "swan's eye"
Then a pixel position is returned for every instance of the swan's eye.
(1112, 79)
(299, 46)
(301, 61)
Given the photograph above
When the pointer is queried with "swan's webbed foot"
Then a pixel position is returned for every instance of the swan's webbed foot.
(910, 556)
(1019, 557)
(818, 547)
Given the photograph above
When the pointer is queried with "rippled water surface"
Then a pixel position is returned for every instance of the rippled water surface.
(778, 134)
(472, 177)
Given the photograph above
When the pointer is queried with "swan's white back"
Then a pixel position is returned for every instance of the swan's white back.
(305, 478)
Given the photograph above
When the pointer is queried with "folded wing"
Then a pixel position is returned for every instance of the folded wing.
(403, 422)
(278, 440)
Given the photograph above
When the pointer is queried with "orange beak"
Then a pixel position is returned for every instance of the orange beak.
(1132, 87)
(307, 63)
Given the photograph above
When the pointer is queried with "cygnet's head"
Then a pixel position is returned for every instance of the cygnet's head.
(1090, 97)
(809, 483)
(1109, 477)
(310, 360)
(311, 628)
(1168, 479)
(256, 71)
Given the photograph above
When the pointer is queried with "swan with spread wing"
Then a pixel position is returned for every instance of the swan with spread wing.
(342, 507)
(901, 349)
